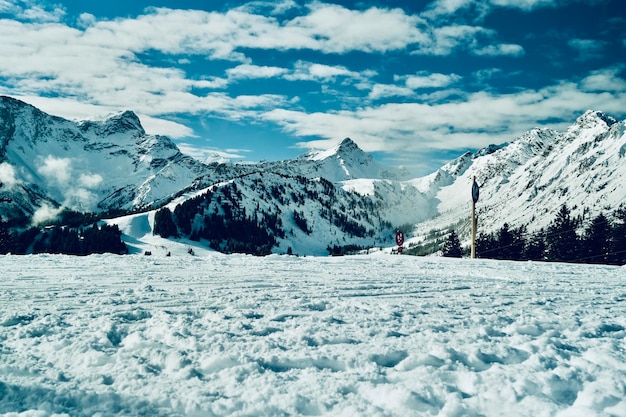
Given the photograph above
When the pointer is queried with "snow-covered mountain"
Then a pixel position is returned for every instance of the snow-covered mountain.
(527, 181)
(90, 166)
(344, 161)
(344, 196)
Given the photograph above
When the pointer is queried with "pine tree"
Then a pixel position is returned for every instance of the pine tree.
(452, 246)
(535, 249)
(486, 245)
(505, 243)
(164, 225)
(618, 238)
(5, 238)
(562, 240)
(597, 240)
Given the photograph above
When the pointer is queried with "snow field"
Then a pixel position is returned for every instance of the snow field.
(353, 336)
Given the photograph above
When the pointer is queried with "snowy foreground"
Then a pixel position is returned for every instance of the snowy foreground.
(220, 335)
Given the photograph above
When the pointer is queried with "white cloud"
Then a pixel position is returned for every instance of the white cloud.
(90, 180)
(471, 121)
(605, 80)
(411, 83)
(525, 5)
(40, 14)
(477, 40)
(446, 39)
(45, 213)
(380, 91)
(269, 7)
(435, 80)
(503, 49)
(247, 71)
(158, 126)
(33, 10)
(74, 191)
(8, 177)
(56, 170)
(210, 154)
(86, 20)
(335, 29)
(479, 9)
(97, 63)
(311, 71)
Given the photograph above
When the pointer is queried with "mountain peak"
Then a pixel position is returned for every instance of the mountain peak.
(347, 145)
(124, 122)
(594, 117)
(345, 148)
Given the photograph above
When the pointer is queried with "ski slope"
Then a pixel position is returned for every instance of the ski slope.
(377, 335)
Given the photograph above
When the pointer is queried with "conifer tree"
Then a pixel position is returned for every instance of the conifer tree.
(5, 238)
(452, 246)
(164, 225)
(535, 249)
(618, 238)
(597, 240)
(505, 243)
(562, 240)
(486, 245)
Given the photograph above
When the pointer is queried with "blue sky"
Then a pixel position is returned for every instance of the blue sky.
(414, 82)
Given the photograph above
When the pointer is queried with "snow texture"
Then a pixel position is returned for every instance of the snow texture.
(376, 335)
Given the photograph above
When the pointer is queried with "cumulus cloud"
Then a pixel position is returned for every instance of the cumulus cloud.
(73, 190)
(209, 154)
(605, 80)
(97, 60)
(247, 71)
(311, 71)
(101, 64)
(472, 120)
(411, 83)
(502, 49)
(45, 214)
(159, 126)
(380, 91)
(33, 10)
(8, 177)
(336, 29)
(477, 10)
(89, 180)
(425, 80)
(56, 170)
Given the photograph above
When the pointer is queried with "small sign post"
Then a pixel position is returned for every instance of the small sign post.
(399, 240)
(475, 193)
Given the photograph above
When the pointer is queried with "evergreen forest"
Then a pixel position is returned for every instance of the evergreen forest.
(599, 239)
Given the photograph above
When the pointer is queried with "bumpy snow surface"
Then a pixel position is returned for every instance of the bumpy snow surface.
(220, 335)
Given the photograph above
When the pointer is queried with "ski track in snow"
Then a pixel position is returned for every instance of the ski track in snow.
(354, 336)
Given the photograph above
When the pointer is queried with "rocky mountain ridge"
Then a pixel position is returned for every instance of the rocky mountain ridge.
(346, 198)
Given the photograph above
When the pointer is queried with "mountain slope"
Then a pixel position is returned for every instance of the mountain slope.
(87, 166)
(527, 181)
(344, 161)
(337, 197)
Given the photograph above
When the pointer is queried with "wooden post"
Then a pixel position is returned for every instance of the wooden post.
(475, 192)
(473, 250)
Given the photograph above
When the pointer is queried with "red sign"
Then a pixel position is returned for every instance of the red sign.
(400, 238)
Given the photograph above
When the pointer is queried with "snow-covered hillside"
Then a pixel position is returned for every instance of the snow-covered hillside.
(90, 166)
(355, 336)
(527, 181)
(47, 163)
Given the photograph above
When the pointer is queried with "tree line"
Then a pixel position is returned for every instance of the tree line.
(80, 240)
(218, 217)
(601, 240)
